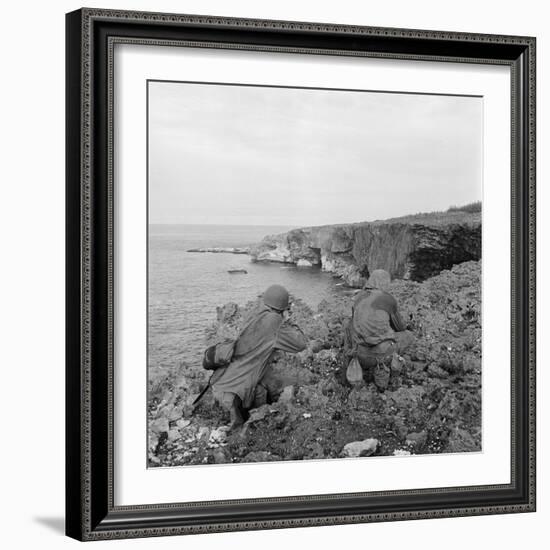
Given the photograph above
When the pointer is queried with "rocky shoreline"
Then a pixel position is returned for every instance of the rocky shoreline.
(411, 248)
(433, 404)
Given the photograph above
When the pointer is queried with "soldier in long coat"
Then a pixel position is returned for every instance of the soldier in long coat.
(239, 386)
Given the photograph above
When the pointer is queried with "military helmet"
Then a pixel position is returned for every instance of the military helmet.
(276, 296)
(379, 279)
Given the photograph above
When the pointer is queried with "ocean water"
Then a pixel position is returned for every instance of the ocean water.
(185, 288)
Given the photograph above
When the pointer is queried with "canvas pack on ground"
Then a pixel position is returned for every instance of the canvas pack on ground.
(354, 372)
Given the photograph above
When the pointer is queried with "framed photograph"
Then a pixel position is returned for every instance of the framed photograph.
(300, 274)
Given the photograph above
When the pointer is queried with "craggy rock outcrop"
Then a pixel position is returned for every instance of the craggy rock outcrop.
(412, 247)
(433, 403)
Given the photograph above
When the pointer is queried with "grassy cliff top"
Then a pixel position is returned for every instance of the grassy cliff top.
(435, 218)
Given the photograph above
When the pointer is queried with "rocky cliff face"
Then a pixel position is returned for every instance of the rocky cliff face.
(412, 247)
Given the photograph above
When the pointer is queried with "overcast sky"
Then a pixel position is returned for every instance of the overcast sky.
(280, 156)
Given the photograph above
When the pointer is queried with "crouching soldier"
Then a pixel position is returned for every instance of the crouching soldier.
(243, 383)
(376, 330)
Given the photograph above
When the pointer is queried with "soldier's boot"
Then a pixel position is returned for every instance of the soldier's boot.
(382, 373)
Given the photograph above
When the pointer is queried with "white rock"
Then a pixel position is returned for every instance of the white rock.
(175, 414)
(360, 448)
(302, 262)
(218, 435)
(173, 435)
(183, 424)
(166, 410)
(203, 432)
(160, 425)
(401, 452)
(153, 441)
(307, 415)
(256, 414)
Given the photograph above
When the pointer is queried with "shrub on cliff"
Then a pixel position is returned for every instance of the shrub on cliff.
(471, 207)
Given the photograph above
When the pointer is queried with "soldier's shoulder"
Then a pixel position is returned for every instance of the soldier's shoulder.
(363, 295)
(272, 318)
(388, 298)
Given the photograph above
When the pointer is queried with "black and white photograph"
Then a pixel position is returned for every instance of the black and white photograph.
(314, 273)
(270, 275)
(300, 275)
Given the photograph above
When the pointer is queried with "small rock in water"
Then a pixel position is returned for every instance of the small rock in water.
(360, 448)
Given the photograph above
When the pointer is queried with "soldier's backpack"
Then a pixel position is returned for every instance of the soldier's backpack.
(218, 355)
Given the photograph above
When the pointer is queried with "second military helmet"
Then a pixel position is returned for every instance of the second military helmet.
(276, 296)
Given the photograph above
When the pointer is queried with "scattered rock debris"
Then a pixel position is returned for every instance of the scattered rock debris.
(360, 448)
(432, 404)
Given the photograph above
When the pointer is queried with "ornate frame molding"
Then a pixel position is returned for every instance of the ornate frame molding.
(91, 36)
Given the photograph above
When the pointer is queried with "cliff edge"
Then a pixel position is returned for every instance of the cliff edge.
(412, 247)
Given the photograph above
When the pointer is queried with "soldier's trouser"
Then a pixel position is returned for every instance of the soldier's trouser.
(376, 360)
(233, 404)
(267, 390)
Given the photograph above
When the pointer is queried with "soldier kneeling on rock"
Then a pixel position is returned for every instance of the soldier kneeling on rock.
(244, 383)
(376, 333)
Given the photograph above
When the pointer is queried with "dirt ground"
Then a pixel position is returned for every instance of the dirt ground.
(433, 403)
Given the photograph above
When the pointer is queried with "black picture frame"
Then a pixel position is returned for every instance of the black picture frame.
(90, 511)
